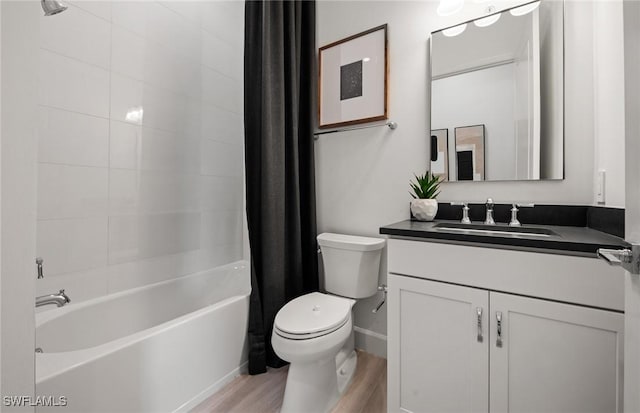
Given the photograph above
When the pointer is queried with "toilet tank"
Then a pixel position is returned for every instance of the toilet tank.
(351, 264)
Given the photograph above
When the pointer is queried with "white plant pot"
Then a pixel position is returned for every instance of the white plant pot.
(424, 209)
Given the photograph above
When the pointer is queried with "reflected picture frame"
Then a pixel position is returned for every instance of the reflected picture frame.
(353, 79)
(469, 151)
(439, 153)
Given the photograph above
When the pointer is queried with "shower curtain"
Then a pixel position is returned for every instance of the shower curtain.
(279, 108)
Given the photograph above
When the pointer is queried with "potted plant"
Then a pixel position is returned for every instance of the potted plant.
(425, 190)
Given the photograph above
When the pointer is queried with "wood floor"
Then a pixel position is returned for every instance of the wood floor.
(263, 393)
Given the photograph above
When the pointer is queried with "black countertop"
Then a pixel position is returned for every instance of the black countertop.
(568, 240)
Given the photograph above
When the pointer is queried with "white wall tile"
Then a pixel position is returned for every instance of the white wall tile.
(221, 193)
(220, 56)
(124, 145)
(134, 274)
(161, 108)
(100, 8)
(136, 192)
(221, 159)
(137, 237)
(135, 147)
(220, 228)
(79, 286)
(220, 255)
(221, 125)
(77, 34)
(70, 245)
(154, 21)
(157, 65)
(71, 191)
(221, 90)
(72, 85)
(72, 138)
(141, 148)
(222, 20)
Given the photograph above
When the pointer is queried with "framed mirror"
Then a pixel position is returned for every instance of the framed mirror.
(497, 89)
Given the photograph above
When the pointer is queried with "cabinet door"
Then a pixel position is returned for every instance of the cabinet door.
(554, 357)
(437, 350)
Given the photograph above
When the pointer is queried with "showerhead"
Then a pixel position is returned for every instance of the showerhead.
(52, 7)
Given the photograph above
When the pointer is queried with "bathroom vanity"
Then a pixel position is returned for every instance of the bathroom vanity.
(485, 323)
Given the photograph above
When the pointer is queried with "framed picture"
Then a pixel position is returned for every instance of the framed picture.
(439, 144)
(470, 153)
(353, 79)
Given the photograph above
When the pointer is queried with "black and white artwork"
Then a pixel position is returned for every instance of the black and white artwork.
(351, 80)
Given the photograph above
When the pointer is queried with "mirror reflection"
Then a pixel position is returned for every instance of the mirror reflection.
(497, 96)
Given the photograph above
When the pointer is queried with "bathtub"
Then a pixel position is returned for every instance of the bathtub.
(158, 348)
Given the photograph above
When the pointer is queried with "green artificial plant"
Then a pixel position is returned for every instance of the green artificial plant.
(425, 186)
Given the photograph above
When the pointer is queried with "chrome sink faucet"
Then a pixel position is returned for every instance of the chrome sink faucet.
(59, 299)
(489, 218)
(465, 212)
(514, 214)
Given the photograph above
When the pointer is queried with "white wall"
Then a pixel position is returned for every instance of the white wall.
(362, 176)
(18, 193)
(140, 143)
(609, 122)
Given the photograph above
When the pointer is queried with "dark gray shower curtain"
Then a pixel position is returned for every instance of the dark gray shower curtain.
(279, 96)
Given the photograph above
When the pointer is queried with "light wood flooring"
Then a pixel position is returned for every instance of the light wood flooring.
(263, 393)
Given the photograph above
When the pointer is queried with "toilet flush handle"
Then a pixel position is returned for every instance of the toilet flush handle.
(382, 288)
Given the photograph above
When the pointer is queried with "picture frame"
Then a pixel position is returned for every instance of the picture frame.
(439, 145)
(470, 160)
(352, 84)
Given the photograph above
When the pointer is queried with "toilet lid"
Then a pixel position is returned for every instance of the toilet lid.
(313, 314)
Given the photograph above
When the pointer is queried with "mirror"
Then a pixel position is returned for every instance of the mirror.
(497, 96)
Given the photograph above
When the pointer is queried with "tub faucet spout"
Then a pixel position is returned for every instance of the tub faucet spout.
(59, 299)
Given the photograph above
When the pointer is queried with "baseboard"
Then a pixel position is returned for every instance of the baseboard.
(370, 341)
(209, 391)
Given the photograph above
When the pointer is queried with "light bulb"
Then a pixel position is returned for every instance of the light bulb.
(487, 21)
(455, 30)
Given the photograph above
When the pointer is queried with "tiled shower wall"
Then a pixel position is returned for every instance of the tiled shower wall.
(140, 157)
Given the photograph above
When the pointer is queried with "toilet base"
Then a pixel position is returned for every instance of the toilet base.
(317, 386)
(346, 370)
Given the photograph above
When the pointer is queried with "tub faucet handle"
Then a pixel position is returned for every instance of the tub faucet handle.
(39, 262)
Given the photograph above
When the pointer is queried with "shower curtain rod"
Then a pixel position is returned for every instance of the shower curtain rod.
(391, 124)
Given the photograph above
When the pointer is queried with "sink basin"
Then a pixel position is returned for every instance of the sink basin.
(494, 229)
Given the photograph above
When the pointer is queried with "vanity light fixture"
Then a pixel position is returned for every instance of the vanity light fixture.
(522, 10)
(449, 7)
(455, 30)
(489, 20)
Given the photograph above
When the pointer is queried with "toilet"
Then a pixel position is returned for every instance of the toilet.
(314, 332)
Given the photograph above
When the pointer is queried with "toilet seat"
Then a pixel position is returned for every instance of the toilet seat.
(312, 315)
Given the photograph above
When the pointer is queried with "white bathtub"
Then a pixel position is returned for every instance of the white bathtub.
(158, 348)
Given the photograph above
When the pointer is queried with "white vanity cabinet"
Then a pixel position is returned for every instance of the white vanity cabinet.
(448, 352)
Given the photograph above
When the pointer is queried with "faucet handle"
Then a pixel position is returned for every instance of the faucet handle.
(514, 213)
(489, 203)
(465, 211)
(462, 204)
